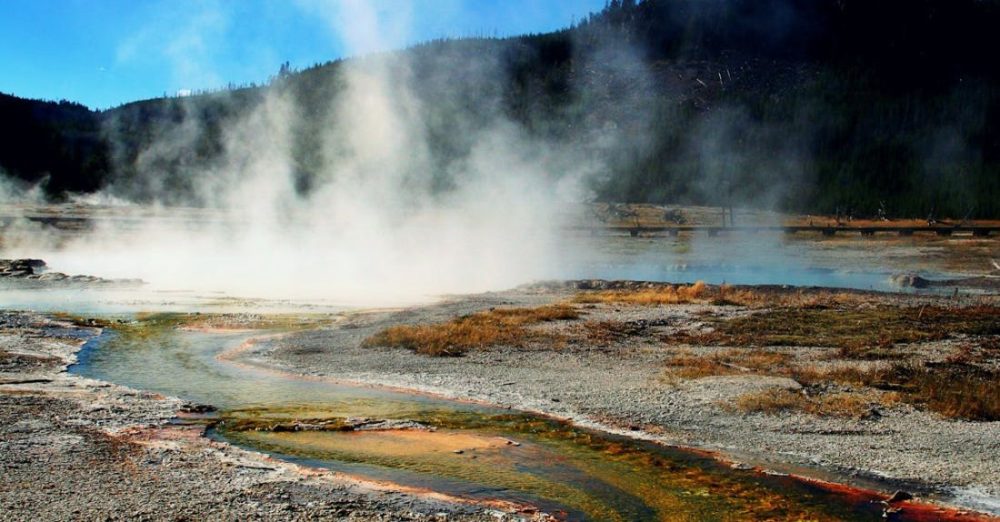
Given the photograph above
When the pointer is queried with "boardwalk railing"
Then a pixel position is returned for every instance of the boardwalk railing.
(959, 230)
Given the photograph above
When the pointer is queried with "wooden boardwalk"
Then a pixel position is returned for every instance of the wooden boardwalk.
(828, 231)
(71, 221)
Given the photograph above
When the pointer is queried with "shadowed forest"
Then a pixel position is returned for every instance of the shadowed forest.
(815, 106)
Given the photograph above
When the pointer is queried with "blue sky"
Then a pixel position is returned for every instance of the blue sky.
(106, 52)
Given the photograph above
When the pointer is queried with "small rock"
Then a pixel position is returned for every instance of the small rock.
(899, 496)
(191, 407)
(909, 281)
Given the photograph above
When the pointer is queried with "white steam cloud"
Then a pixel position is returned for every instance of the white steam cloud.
(373, 229)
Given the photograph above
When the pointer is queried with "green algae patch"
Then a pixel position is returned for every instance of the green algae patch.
(145, 325)
(143, 330)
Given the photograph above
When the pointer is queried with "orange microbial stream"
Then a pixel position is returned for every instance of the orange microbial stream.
(576, 473)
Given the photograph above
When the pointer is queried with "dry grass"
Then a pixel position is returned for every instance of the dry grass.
(688, 365)
(659, 295)
(952, 389)
(857, 327)
(959, 391)
(723, 295)
(865, 333)
(764, 297)
(963, 386)
(606, 333)
(973, 396)
(502, 326)
(861, 223)
(835, 404)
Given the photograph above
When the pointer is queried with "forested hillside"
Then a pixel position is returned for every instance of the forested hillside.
(804, 105)
(59, 142)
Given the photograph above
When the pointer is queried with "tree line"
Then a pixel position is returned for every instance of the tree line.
(803, 105)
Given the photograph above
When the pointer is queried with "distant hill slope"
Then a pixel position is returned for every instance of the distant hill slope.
(807, 105)
(61, 141)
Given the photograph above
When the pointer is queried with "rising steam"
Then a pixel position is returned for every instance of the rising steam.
(375, 226)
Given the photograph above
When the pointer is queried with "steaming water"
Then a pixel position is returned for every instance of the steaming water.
(91, 301)
(556, 467)
(764, 259)
(745, 260)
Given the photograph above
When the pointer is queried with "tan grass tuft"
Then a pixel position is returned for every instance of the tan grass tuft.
(501, 326)
(860, 333)
(667, 294)
(780, 400)
(953, 390)
(723, 295)
(689, 365)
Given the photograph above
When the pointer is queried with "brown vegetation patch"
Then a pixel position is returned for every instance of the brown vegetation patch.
(604, 333)
(656, 295)
(865, 333)
(963, 386)
(653, 294)
(954, 390)
(842, 404)
(958, 391)
(688, 365)
(500, 326)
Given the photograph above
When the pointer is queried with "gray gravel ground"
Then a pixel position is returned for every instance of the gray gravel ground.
(623, 388)
(79, 449)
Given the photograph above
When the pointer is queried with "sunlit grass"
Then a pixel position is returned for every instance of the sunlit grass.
(721, 295)
(957, 391)
(658, 295)
(857, 332)
(841, 404)
(500, 326)
(961, 387)
(953, 390)
(689, 365)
